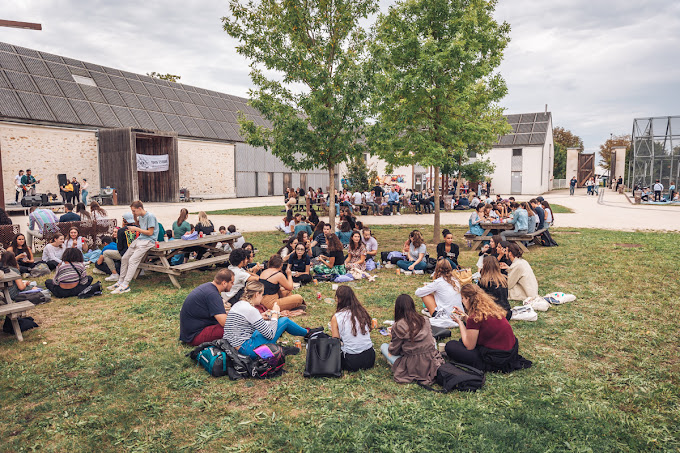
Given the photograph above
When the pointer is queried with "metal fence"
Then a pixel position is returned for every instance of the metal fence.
(560, 184)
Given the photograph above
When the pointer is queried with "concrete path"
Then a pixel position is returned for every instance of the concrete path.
(615, 213)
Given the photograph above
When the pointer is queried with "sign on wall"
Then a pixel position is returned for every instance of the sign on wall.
(150, 163)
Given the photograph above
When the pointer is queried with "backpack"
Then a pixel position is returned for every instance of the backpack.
(219, 358)
(94, 289)
(25, 324)
(40, 270)
(457, 376)
(431, 264)
(214, 360)
(269, 363)
(37, 297)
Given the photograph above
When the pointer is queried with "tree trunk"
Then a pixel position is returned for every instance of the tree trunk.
(436, 206)
(331, 196)
(459, 179)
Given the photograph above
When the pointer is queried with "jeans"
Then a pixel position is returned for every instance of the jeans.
(418, 267)
(257, 339)
(385, 351)
(131, 260)
(374, 207)
(84, 195)
(571, 189)
(392, 204)
(506, 233)
(657, 195)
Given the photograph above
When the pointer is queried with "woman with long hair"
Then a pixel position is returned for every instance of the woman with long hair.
(487, 341)
(549, 215)
(333, 260)
(81, 210)
(298, 263)
(495, 284)
(180, 227)
(416, 254)
(304, 239)
(278, 286)
(441, 296)
(75, 240)
(71, 275)
(356, 256)
(319, 238)
(4, 218)
(54, 251)
(22, 253)
(8, 263)
(204, 224)
(352, 324)
(531, 216)
(96, 211)
(245, 329)
(412, 352)
(522, 282)
(448, 250)
(475, 220)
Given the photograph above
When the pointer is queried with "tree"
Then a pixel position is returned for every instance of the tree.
(435, 86)
(563, 139)
(560, 164)
(168, 77)
(314, 92)
(358, 175)
(608, 146)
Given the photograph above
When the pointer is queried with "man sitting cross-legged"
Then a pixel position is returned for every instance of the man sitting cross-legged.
(203, 314)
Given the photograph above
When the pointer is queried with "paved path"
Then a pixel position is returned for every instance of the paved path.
(616, 213)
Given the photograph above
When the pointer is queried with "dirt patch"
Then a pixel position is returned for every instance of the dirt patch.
(628, 246)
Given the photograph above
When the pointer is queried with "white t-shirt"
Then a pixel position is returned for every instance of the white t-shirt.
(415, 253)
(240, 278)
(445, 295)
(17, 180)
(658, 187)
(352, 344)
(357, 197)
(369, 197)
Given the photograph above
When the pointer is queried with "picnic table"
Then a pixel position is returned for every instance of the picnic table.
(488, 227)
(157, 259)
(10, 308)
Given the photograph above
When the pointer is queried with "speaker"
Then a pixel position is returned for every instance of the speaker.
(63, 180)
(31, 200)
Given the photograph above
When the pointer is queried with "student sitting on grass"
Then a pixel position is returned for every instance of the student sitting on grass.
(487, 341)
(440, 296)
(278, 286)
(71, 276)
(495, 284)
(448, 249)
(298, 263)
(9, 264)
(416, 254)
(344, 233)
(22, 253)
(54, 251)
(522, 282)
(104, 266)
(245, 329)
(412, 352)
(352, 324)
(333, 260)
(203, 314)
(356, 256)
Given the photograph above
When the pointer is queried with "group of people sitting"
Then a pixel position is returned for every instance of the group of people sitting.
(526, 217)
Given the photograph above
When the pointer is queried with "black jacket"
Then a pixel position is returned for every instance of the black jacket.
(503, 361)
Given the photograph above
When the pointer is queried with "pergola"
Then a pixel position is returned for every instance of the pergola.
(656, 151)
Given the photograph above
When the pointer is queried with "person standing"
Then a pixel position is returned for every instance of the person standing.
(76, 190)
(671, 190)
(618, 183)
(28, 182)
(84, 190)
(148, 233)
(658, 188)
(572, 185)
(18, 187)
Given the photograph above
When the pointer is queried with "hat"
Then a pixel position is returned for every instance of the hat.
(540, 198)
(129, 217)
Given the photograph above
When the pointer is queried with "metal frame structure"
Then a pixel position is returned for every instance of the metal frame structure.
(656, 151)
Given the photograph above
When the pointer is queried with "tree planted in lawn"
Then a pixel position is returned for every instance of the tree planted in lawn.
(436, 89)
(313, 93)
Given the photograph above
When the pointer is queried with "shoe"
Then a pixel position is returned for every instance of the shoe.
(112, 278)
(112, 287)
(524, 313)
(390, 266)
(290, 350)
(121, 289)
(398, 213)
(25, 275)
(311, 332)
(426, 312)
(98, 271)
(417, 272)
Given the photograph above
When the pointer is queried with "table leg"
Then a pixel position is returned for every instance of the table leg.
(522, 246)
(173, 279)
(17, 329)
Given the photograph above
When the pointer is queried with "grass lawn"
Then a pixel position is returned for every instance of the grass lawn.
(559, 209)
(108, 374)
(256, 210)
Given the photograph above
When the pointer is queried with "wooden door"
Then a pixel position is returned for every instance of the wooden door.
(586, 168)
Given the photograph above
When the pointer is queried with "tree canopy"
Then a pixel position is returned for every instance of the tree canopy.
(563, 139)
(435, 86)
(307, 58)
(607, 147)
(169, 77)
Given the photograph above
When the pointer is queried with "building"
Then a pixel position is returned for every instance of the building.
(53, 108)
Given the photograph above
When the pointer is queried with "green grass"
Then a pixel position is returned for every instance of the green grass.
(559, 209)
(108, 373)
(257, 211)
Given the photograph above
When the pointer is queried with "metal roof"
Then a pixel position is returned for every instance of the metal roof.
(528, 129)
(38, 86)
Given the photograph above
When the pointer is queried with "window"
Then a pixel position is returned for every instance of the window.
(517, 152)
(83, 80)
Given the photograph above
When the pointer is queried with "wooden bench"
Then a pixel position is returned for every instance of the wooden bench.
(519, 240)
(13, 309)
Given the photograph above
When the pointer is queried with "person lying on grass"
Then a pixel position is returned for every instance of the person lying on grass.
(412, 352)
(487, 341)
(352, 324)
(245, 328)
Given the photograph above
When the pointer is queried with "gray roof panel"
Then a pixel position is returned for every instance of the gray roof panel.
(105, 113)
(36, 67)
(10, 61)
(35, 106)
(85, 112)
(528, 129)
(47, 86)
(125, 117)
(10, 105)
(102, 80)
(131, 100)
(161, 121)
(21, 81)
(51, 57)
(62, 110)
(143, 118)
(120, 84)
(113, 97)
(59, 71)
(93, 94)
(71, 90)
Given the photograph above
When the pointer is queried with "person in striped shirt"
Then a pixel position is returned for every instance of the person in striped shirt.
(37, 219)
(245, 328)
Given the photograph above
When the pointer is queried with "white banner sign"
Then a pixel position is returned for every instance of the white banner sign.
(149, 163)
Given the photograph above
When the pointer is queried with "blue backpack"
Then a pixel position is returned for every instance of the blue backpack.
(214, 360)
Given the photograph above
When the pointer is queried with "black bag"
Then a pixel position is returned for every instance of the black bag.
(431, 264)
(439, 333)
(457, 376)
(219, 358)
(35, 298)
(546, 239)
(25, 324)
(323, 357)
(269, 363)
(383, 257)
(94, 289)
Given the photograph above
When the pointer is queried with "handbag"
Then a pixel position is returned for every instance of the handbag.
(463, 275)
(323, 358)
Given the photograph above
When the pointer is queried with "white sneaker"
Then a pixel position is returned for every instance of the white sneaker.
(524, 313)
(426, 312)
(113, 287)
(121, 289)
(112, 278)
(390, 266)
(98, 271)
(398, 213)
(417, 272)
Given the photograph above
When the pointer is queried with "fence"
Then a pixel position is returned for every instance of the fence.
(560, 184)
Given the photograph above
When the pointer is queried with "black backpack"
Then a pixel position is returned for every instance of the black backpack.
(219, 358)
(457, 376)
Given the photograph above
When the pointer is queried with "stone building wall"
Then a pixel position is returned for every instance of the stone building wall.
(207, 168)
(48, 151)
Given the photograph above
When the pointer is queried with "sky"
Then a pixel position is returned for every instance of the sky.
(597, 64)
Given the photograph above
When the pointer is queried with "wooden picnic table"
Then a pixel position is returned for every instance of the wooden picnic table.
(10, 308)
(166, 250)
(488, 227)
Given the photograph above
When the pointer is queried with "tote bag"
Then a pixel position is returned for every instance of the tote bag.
(323, 358)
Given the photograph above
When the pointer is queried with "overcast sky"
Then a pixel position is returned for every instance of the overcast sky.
(597, 64)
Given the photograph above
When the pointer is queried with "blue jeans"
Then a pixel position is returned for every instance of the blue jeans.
(418, 267)
(384, 348)
(83, 194)
(257, 339)
(392, 204)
